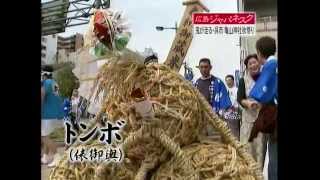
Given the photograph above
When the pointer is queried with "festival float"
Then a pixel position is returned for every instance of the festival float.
(165, 116)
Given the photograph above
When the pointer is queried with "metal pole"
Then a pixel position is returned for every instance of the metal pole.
(85, 20)
(83, 4)
(170, 28)
(176, 26)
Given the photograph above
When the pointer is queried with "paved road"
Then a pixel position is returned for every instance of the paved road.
(265, 169)
(45, 171)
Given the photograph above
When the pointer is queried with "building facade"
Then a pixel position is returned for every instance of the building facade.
(266, 24)
(49, 49)
(71, 43)
(63, 56)
(68, 47)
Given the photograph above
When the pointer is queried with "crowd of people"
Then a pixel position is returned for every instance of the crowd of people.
(251, 109)
(55, 110)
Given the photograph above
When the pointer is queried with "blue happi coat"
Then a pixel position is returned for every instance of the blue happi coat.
(66, 108)
(219, 97)
(266, 87)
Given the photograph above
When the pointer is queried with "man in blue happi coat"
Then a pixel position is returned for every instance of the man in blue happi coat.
(265, 91)
(213, 89)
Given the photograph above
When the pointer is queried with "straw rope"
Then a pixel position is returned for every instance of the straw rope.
(180, 114)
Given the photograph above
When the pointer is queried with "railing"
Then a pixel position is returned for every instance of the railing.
(268, 23)
(66, 41)
(66, 38)
(72, 46)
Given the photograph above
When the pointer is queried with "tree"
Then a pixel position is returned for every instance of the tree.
(66, 80)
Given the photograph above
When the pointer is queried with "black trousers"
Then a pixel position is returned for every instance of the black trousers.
(234, 125)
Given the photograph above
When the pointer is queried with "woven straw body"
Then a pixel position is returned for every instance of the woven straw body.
(74, 171)
(175, 105)
(180, 114)
(210, 160)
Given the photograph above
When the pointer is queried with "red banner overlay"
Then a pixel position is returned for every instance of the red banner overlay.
(224, 18)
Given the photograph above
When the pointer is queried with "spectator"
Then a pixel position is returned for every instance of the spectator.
(51, 115)
(188, 73)
(264, 94)
(232, 90)
(75, 110)
(213, 89)
(75, 100)
(233, 115)
(258, 147)
(66, 109)
(151, 59)
(95, 103)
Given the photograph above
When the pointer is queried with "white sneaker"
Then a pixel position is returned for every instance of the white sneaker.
(55, 161)
(46, 159)
(43, 159)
